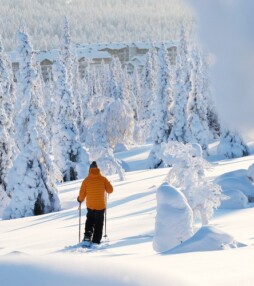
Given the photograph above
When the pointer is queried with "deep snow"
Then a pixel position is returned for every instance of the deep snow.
(41, 250)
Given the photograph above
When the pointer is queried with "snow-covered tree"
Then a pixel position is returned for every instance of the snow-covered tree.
(30, 184)
(114, 79)
(69, 155)
(181, 91)
(120, 123)
(198, 130)
(8, 92)
(163, 100)
(163, 106)
(68, 152)
(136, 90)
(5, 155)
(232, 145)
(99, 149)
(213, 121)
(212, 114)
(188, 176)
(78, 106)
(174, 219)
(148, 92)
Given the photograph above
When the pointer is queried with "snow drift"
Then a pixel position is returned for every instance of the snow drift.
(174, 219)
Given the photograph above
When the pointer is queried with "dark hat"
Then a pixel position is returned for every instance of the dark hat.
(93, 165)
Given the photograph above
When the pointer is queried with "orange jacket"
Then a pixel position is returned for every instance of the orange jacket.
(93, 190)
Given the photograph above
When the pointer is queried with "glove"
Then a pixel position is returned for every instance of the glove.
(78, 200)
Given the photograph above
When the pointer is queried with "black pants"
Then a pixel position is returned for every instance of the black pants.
(94, 225)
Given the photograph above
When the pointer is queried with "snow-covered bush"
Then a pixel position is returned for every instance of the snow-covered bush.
(188, 175)
(174, 219)
(232, 145)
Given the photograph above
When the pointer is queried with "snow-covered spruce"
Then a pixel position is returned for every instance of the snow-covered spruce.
(162, 122)
(198, 130)
(5, 155)
(30, 184)
(7, 85)
(181, 91)
(174, 219)
(69, 155)
(147, 97)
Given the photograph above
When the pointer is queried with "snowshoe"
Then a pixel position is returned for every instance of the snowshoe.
(87, 243)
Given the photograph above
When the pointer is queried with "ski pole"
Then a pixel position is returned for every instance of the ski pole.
(79, 208)
(105, 228)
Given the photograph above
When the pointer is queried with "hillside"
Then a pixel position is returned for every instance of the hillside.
(91, 21)
(42, 250)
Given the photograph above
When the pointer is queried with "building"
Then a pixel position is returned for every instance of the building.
(131, 55)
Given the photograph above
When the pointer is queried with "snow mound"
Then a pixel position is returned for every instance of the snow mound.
(207, 238)
(237, 180)
(250, 173)
(120, 147)
(235, 199)
(174, 219)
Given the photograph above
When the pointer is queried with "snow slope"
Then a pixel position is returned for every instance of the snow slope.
(41, 250)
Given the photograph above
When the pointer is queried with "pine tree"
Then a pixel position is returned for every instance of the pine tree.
(30, 185)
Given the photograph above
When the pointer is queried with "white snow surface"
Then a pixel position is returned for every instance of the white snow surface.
(174, 218)
(42, 250)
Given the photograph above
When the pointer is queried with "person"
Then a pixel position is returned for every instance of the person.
(93, 190)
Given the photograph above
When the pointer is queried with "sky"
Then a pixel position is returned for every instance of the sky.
(225, 29)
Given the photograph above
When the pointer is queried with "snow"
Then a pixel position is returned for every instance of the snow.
(207, 238)
(237, 180)
(174, 219)
(34, 250)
